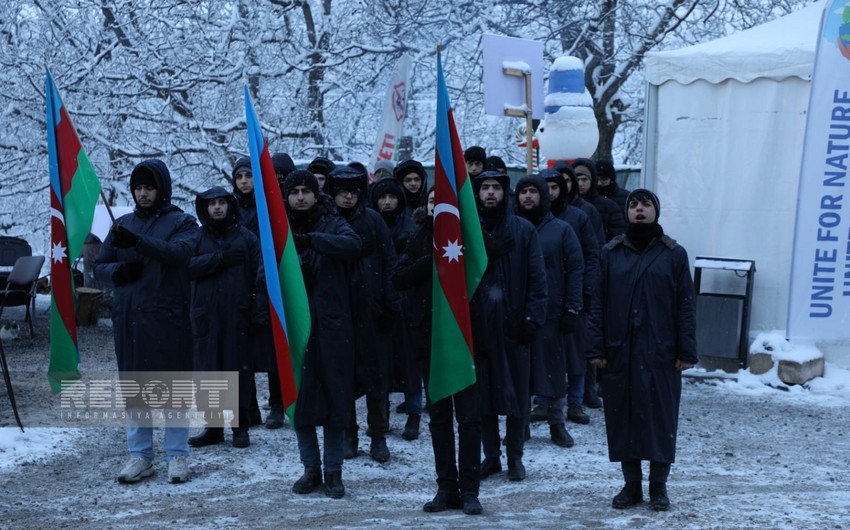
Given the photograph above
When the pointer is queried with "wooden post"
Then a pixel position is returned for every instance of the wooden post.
(529, 128)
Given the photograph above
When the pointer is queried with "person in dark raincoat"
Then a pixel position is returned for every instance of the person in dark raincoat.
(576, 342)
(144, 257)
(262, 341)
(612, 216)
(643, 333)
(377, 309)
(458, 474)
(607, 183)
(228, 303)
(387, 198)
(564, 267)
(591, 394)
(507, 312)
(328, 249)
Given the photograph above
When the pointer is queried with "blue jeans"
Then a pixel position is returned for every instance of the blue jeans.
(575, 389)
(308, 447)
(140, 440)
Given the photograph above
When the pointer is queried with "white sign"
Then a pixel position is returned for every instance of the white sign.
(819, 302)
(508, 92)
(395, 109)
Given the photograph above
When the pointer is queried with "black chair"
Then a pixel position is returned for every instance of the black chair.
(11, 248)
(20, 286)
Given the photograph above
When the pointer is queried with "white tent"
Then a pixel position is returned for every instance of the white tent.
(724, 139)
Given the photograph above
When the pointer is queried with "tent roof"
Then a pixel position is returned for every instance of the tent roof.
(781, 48)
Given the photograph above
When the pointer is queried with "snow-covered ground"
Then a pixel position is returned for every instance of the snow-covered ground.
(752, 454)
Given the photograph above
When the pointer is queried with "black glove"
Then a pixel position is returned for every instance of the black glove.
(232, 256)
(527, 332)
(127, 272)
(497, 247)
(585, 302)
(570, 323)
(302, 241)
(123, 238)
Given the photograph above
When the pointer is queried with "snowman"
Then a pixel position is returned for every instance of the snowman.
(568, 130)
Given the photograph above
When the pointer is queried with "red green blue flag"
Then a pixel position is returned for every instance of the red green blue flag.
(74, 188)
(288, 306)
(459, 257)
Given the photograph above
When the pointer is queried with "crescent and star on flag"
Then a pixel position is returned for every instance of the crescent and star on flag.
(453, 250)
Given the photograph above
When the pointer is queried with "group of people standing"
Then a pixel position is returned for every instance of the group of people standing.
(580, 277)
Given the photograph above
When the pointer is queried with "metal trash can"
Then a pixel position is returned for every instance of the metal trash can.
(724, 293)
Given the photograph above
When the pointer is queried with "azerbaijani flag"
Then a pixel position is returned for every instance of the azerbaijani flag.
(74, 188)
(459, 257)
(288, 306)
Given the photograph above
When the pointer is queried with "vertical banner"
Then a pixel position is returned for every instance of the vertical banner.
(392, 121)
(819, 301)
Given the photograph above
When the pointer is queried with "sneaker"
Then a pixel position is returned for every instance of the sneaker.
(576, 414)
(178, 470)
(135, 470)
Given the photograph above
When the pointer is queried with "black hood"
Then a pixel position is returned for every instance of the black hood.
(567, 172)
(382, 187)
(594, 178)
(202, 201)
(412, 166)
(536, 215)
(156, 169)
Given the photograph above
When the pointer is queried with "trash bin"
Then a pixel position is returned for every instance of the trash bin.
(724, 293)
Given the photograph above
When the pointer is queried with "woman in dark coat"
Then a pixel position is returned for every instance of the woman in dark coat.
(228, 303)
(643, 333)
(144, 257)
(328, 249)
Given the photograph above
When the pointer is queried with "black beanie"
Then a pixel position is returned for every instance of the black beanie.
(299, 177)
(283, 164)
(243, 164)
(643, 194)
(475, 153)
(605, 169)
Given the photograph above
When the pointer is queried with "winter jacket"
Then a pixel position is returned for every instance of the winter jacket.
(150, 315)
(643, 322)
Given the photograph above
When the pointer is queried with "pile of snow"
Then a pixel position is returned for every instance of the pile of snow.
(18, 448)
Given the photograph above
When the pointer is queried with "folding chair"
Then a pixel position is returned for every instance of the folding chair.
(20, 286)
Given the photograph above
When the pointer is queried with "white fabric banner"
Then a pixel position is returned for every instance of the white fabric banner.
(819, 302)
(392, 121)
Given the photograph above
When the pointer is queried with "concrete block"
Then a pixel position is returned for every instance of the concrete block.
(759, 363)
(795, 373)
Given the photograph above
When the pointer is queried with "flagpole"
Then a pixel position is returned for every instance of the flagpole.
(105, 203)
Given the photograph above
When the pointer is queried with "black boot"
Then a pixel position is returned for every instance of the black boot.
(444, 500)
(241, 438)
(630, 495)
(539, 413)
(591, 395)
(577, 415)
(490, 466)
(560, 436)
(411, 428)
(471, 506)
(516, 469)
(309, 482)
(379, 450)
(334, 487)
(349, 447)
(210, 436)
(658, 499)
(254, 415)
(275, 418)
